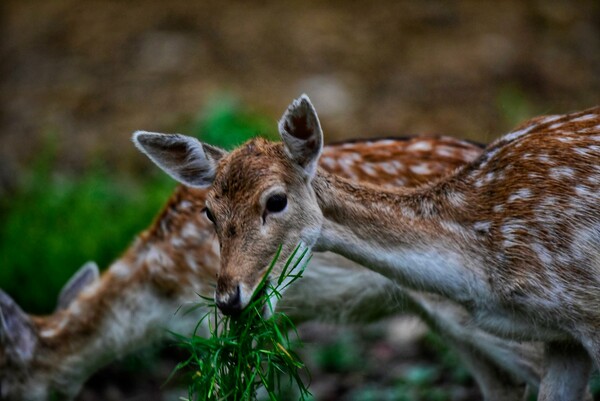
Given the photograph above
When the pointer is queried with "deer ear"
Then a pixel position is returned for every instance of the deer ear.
(17, 335)
(182, 157)
(86, 275)
(301, 134)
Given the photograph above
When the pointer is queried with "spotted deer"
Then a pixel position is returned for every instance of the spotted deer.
(134, 303)
(513, 236)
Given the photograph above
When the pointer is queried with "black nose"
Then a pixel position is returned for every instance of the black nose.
(230, 303)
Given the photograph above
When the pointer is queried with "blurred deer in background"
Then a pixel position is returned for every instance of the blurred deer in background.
(513, 236)
(134, 302)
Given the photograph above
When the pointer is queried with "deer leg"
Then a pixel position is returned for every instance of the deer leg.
(501, 369)
(567, 368)
(495, 383)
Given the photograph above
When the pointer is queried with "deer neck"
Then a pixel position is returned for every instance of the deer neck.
(421, 238)
(139, 299)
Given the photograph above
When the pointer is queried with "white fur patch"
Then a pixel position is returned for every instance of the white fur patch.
(521, 194)
(419, 146)
(517, 134)
(561, 172)
(421, 169)
(121, 270)
(483, 226)
(585, 117)
(190, 230)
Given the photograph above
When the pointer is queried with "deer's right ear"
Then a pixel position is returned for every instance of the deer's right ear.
(301, 134)
(182, 157)
(17, 335)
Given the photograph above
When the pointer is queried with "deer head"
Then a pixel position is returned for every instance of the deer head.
(260, 199)
(26, 370)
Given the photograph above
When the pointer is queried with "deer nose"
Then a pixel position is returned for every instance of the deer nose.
(230, 303)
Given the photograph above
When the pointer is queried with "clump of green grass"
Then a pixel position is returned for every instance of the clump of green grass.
(248, 352)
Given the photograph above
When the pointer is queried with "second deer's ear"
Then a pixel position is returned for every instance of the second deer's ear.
(17, 335)
(184, 158)
(86, 275)
(301, 134)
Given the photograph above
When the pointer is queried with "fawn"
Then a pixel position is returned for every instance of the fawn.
(511, 236)
(133, 303)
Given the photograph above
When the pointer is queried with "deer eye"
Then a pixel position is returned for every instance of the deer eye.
(209, 215)
(276, 203)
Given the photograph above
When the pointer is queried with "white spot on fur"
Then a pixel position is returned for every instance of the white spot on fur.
(509, 231)
(190, 230)
(521, 194)
(346, 166)
(55, 329)
(385, 142)
(483, 226)
(420, 169)
(388, 168)
(445, 151)
(585, 117)
(156, 258)
(582, 151)
(419, 146)
(368, 169)
(452, 227)
(191, 262)
(556, 125)
(543, 158)
(121, 270)
(177, 242)
(584, 191)
(489, 177)
(185, 205)
(328, 162)
(398, 165)
(456, 199)
(549, 119)
(517, 134)
(561, 172)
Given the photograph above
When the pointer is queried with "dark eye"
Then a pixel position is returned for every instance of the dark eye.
(276, 203)
(209, 215)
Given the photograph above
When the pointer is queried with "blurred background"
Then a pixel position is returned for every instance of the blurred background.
(78, 77)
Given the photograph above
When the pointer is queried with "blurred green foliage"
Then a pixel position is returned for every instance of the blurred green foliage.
(56, 221)
(341, 355)
(225, 123)
(513, 105)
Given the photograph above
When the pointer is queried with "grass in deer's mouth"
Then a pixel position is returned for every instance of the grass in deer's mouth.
(247, 352)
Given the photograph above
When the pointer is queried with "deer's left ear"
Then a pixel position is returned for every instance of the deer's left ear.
(17, 334)
(86, 275)
(182, 157)
(301, 134)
